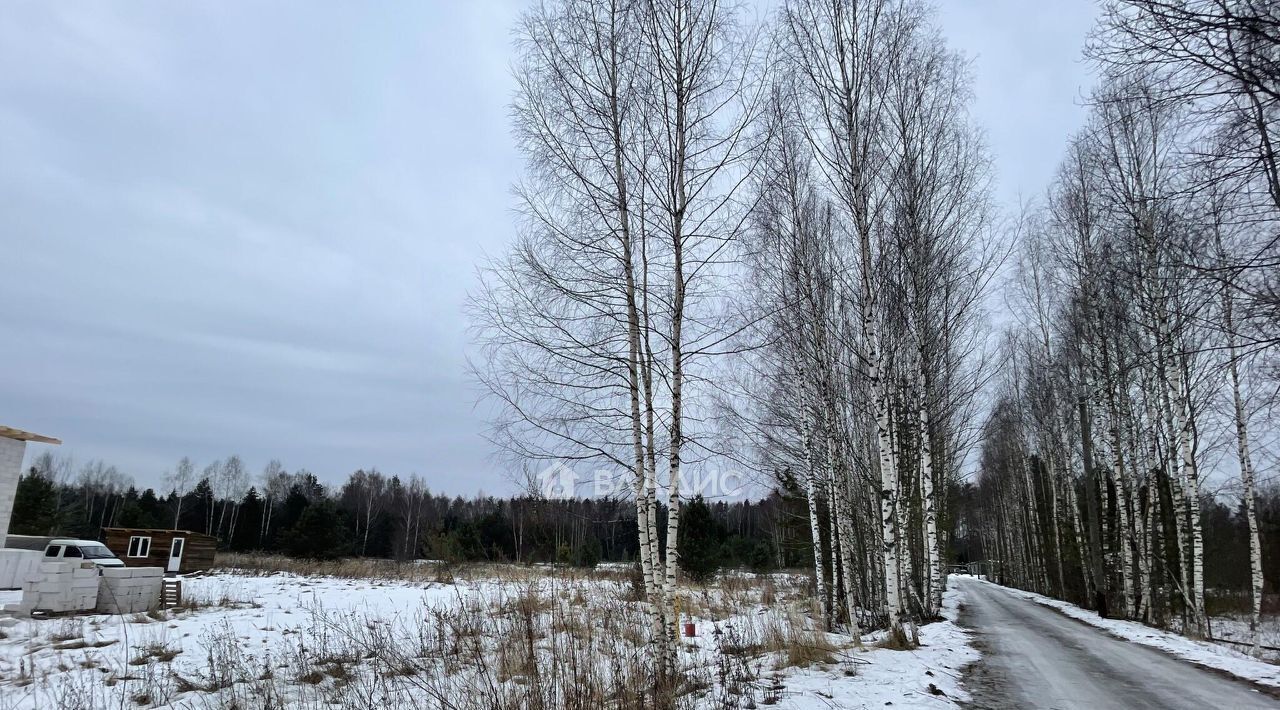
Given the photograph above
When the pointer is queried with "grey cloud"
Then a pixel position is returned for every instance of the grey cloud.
(249, 228)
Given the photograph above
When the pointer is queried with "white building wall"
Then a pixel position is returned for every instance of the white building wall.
(11, 452)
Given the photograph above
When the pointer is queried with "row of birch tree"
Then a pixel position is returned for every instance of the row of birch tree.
(761, 244)
(869, 253)
(1147, 304)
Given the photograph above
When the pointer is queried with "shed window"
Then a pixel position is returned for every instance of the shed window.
(139, 546)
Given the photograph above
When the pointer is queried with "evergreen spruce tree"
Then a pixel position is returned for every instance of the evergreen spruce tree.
(702, 539)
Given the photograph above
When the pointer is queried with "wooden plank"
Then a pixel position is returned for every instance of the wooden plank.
(11, 433)
(171, 592)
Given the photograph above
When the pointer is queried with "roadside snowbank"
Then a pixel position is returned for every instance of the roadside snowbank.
(1200, 652)
(926, 677)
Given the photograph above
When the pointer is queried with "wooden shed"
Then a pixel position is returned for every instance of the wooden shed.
(178, 551)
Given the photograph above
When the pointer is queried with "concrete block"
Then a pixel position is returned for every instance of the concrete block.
(62, 587)
(127, 595)
(82, 603)
(16, 565)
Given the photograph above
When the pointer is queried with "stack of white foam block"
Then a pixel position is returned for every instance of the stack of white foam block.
(16, 565)
(58, 587)
(129, 590)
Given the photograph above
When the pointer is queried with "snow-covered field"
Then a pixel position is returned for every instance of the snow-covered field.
(504, 637)
(1205, 653)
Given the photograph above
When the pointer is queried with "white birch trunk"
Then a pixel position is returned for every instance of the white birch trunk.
(1037, 568)
(1056, 524)
(843, 514)
(932, 556)
(888, 512)
(1177, 474)
(1148, 551)
(835, 535)
(815, 524)
(1122, 508)
(1082, 543)
(1192, 482)
(1141, 522)
(1246, 475)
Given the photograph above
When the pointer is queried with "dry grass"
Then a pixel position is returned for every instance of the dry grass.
(66, 630)
(904, 638)
(415, 571)
(82, 643)
(528, 637)
(224, 598)
(789, 640)
(156, 649)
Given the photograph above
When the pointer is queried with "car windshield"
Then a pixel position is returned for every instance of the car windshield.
(96, 552)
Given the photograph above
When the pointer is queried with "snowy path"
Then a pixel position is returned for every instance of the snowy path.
(1035, 657)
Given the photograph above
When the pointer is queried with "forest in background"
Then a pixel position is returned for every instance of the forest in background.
(372, 515)
(405, 521)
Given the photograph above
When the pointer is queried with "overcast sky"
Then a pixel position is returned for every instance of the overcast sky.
(249, 227)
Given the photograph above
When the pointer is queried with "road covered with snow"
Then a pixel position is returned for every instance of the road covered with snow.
(1035, 657)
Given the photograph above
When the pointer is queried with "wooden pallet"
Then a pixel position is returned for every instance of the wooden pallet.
(171, 593)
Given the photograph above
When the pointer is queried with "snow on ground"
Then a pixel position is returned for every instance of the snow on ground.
(250, 618)
(310, 641)
(925, 677)
(1203, 653)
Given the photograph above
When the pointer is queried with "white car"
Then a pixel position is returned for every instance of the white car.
(90, 550)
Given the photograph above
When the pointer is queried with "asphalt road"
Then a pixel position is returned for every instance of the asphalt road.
(1035, 657)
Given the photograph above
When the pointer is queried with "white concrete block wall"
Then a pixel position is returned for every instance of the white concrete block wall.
(11, 452)
(129, 590)
(60, 587)
(15, 565)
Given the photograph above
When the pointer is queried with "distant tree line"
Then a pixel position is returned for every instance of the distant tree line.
(376, 515)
